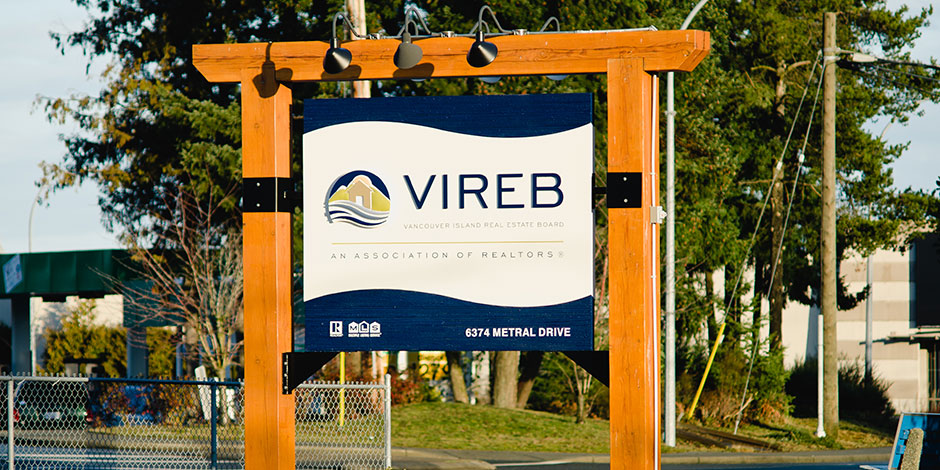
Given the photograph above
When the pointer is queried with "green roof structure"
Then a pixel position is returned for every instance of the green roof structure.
(55, 275)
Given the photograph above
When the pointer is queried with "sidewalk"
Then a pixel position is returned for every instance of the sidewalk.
(443, 459)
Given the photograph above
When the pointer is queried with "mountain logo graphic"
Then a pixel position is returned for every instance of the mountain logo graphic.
(358, 198)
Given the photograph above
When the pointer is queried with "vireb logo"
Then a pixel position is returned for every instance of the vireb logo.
(358, 198)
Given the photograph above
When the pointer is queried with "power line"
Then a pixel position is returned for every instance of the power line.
(751, 243)
(909, 74)
(929, 93)
(779, 254)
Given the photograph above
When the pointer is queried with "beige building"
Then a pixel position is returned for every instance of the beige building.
(905, 323)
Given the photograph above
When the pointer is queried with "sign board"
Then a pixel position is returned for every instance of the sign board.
(930, 455)
(449, 223)
(12, 273)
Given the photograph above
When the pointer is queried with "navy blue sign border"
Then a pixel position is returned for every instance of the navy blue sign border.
(486, 116)
(411, 321)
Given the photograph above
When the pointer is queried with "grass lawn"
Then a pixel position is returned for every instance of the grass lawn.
(796, 434)
(458, 426)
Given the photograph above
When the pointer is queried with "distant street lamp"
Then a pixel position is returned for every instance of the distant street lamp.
(29, 247)
(669, 401)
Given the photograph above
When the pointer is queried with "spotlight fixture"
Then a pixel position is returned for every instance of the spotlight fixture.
(481, 52)
(409, 54)
(338, 58)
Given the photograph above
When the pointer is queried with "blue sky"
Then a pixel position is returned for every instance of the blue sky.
(71, 220)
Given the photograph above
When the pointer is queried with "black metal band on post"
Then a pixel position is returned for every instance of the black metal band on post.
(268, 195)
(624, 190)
(296, 367)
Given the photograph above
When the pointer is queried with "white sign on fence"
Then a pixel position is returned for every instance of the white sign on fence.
(12, 273)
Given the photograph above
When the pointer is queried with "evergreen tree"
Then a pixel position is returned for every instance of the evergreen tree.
(158, 127)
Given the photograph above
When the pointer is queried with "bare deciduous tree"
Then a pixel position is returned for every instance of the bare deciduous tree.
(192, 266)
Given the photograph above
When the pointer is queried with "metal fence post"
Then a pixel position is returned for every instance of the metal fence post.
(388, 421)
(10, 423)
(213, 432)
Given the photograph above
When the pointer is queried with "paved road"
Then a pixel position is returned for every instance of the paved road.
(555, 465)
(63, 458)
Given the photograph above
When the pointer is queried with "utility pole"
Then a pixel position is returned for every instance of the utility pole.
(361, 89)
(828, 259)
(669, 309)
(357, 16)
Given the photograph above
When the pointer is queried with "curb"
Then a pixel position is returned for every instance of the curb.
(782, 457)
(418, 459)
(430, 459)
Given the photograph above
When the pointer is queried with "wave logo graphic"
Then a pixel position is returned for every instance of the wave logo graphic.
(358, 198)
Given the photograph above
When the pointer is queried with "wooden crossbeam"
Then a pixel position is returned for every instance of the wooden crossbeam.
(532, 54)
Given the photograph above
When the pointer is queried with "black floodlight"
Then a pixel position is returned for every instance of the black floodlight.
(409, 54)
(337, 58)
(481, 52)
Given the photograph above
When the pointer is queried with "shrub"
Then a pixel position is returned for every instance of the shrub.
(863, 399)
(81, 338)
(552, 392)
(161, 347)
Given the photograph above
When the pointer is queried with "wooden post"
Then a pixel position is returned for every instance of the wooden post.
(269, 414)
(634, 270)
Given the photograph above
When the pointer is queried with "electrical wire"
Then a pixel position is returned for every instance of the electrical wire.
(772, 182)
(909, 74)
(931, 94)
(786, 221)
(760, 218)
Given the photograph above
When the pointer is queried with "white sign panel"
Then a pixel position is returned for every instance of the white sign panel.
(430, 226)
(12, 273)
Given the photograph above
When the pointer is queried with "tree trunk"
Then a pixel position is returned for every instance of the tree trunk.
(505, 379)
(582, 382)
(733, 301)
(776, 258)
(581, 414)
(529, 364)
(455, 370)
(776, 227)
(760, 277)
(710, 319)
(354, 365)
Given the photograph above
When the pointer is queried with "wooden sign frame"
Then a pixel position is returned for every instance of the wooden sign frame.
(628, 58)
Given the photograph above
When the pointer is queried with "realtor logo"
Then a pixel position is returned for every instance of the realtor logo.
(336, 329)
(364, 329)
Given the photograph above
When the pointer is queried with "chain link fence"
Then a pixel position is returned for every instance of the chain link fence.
(99, 423)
